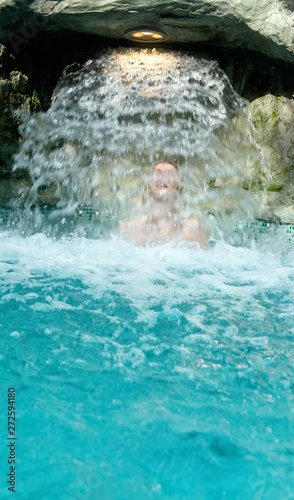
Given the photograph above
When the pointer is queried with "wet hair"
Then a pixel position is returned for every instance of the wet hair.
(170, 162)
(176, 160)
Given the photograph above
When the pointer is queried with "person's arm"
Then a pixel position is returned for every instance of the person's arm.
(126, 228)
(192, 231)
(123, 226)
(132, 230)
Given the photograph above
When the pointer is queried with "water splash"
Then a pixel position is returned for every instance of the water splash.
(164, 356)
(113, 117)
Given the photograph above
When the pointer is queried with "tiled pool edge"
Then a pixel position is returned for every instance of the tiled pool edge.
(87, 213)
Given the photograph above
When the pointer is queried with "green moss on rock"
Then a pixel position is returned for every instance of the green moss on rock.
(15, 94)
(271, 121)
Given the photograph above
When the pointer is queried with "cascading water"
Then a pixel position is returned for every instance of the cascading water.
(113, 118)
(144, 372)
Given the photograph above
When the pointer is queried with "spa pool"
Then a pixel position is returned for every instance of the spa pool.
(147, 373)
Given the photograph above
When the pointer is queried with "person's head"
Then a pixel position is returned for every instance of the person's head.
(165, 181)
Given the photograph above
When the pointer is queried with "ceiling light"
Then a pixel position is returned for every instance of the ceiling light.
(145, 34)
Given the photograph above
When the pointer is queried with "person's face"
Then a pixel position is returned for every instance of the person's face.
(164, 182)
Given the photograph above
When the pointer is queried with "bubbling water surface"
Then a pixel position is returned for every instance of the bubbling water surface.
(145, 372)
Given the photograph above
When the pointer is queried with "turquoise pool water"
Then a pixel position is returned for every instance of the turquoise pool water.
(151, 373)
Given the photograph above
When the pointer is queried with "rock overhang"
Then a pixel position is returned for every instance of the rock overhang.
(266, 26)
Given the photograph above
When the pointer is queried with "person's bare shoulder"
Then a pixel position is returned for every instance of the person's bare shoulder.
(194, 231)
(131, 228)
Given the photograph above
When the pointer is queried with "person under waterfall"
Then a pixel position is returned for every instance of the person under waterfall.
(162, 222)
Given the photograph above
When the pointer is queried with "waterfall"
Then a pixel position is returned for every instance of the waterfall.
(113, 117)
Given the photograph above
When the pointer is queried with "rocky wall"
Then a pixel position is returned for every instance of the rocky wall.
(265, 26)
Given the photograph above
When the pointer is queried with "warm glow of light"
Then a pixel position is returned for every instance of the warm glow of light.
(130, 64)
(145, 35)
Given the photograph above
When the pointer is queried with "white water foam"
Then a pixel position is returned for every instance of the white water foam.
(142, 274)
